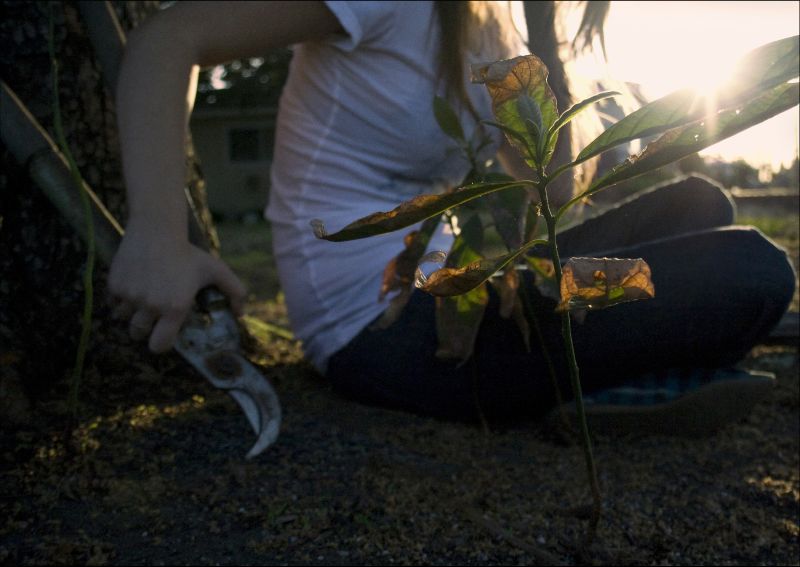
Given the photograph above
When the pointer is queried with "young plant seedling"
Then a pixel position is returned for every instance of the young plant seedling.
(525, 109)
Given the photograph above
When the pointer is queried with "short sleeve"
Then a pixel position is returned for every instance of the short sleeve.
(362, 22)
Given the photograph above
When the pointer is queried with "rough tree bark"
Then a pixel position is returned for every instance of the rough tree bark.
(41, 258)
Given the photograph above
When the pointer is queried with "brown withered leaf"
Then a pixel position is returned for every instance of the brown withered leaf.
(399, 272)
(395, 308)
(597, 283)
(518, 316)
(374, 223)
(455, 281)
(507, 80)
(544, 275)
(507, 287)
(409, 212)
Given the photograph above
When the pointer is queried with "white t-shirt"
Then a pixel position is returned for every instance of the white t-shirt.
(355, 135)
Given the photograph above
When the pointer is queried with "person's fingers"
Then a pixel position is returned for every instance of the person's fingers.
(166, 331)
(141, 324)
(122, 310)
(231, 286)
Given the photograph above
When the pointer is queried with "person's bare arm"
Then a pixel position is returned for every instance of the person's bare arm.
(156, 273)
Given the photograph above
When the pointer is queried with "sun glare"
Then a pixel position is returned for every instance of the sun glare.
(665, 46)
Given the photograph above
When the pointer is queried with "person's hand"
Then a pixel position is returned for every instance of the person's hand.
(154, 280)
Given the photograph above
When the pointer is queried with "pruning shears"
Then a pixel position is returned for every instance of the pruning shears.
(209, 339)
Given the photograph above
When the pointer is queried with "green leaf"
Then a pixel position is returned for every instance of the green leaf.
(410, 212)
(522, 78)
(658, 116)
(509, 210)
(574, 110)
(458, 319)
(496, 177)
(759, 71)
(688, 139)
(522, 140)
(763, 68)
(447, 119)
(538, 139)
(529, 110)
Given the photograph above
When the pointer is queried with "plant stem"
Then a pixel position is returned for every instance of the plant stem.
(88, 286)
(574, 375)
(551, 369)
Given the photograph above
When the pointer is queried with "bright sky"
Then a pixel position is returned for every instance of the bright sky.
(668, 45)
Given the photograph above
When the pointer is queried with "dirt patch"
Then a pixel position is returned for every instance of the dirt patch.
(162, 480)
(154, 473)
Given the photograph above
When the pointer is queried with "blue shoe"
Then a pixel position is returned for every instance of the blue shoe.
(685, 402)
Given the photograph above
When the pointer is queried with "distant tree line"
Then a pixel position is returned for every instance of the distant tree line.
(740, 173)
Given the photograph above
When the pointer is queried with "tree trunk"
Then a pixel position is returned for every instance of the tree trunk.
(546, 23)
(543, 42)
(41, 258)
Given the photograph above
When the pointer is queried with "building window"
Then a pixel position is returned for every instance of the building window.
(244, 145)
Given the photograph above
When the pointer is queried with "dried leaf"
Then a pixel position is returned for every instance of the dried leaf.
(597, 283)
(453, 281)
(518, 316)
(399, 272)
(544, 275)
(458, 318)
(523, 78)
(507, 80)
(507, 287)
(395, 309)
(391, 281)
(408, 213)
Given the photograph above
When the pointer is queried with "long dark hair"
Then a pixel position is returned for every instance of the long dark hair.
(454, 22)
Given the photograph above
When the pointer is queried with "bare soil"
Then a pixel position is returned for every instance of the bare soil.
(154, 473)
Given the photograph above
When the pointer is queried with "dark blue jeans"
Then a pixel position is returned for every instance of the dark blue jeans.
(719, 290)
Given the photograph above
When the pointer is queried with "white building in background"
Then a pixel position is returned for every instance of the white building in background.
(235, 149)
(233, 128)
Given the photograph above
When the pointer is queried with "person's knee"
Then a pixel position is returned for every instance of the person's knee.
(776, 273)
(704, 196)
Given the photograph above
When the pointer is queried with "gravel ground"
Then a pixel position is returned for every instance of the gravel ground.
(154, 473)
(163, 481)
